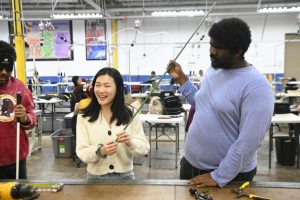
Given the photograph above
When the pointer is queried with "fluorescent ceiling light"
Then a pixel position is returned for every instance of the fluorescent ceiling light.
(190, 13)
(3, 17)
(279, 9)
(77, 16)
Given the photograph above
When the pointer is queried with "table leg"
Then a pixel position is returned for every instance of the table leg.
(270, 144)
(34, 131)
(297, 132)
(185, 121)
(149, 144)
(177, 143)
(52, 116)
(40, 131)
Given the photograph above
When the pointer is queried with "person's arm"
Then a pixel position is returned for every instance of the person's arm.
(188, 89)
(175, 70)
(256, 114)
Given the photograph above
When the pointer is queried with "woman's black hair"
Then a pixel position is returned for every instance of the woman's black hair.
(121, 112)
(75, 79)
(232, 33)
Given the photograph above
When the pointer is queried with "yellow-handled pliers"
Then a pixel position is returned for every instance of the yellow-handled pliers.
(241, 193)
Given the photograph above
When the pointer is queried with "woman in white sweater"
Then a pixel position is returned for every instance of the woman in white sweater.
(101, 141)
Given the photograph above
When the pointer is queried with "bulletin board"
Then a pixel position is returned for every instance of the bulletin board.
(95, 38)
(50, 42)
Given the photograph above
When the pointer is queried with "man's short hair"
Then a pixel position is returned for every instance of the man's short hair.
(232, 33)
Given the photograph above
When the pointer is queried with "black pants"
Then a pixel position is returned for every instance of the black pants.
(9, 172)
(187, 171)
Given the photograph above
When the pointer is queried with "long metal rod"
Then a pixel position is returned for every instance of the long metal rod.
(155, 86)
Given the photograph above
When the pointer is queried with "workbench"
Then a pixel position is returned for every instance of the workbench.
(164, 189)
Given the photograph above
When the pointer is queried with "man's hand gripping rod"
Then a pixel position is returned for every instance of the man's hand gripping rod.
(155, 86)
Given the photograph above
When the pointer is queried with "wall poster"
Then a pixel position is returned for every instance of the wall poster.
(95, 38)
(48, 40)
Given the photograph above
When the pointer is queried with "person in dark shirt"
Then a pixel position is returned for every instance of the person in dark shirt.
(78, 92)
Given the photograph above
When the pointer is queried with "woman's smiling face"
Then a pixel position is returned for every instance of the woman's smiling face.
(105, 90)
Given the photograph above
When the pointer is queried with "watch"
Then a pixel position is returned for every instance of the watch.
(98, 151)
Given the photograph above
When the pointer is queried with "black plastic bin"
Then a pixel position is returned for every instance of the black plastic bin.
(63, 143)
(285, 150)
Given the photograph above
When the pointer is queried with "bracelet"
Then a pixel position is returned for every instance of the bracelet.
(98, 151)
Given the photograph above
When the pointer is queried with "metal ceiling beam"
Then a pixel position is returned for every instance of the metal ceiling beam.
(94, 5)
(36, 18)
(175, 8)
(54, 5)
(258, 4)
(121, 8)
(49, 1)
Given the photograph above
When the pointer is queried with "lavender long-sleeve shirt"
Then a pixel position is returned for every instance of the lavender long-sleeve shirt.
(234, 109)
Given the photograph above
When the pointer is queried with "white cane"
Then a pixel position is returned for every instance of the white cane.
(19, 99)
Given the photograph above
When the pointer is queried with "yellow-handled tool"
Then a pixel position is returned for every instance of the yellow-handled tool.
(28, 191)
(241, 193)
(14, 190)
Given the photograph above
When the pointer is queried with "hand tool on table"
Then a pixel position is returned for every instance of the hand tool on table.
(26, 191)
(46, 187)
(15, 190)
(240, 192)
(200, 195)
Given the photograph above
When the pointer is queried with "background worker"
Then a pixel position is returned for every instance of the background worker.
(10, 111)
(234, 107)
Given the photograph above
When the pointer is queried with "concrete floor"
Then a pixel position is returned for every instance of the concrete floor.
(42, 165)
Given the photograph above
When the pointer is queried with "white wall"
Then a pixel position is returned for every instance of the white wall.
(159, 40)
(79, 66)
(266, 51)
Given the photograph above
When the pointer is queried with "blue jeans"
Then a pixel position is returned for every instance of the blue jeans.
(127, 175)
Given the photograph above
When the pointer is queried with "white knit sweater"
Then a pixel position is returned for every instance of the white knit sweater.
(90, 134)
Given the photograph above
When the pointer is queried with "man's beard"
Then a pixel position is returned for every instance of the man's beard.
(3, 80)
(216, 63)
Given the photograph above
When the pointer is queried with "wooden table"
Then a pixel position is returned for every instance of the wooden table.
(165, 190)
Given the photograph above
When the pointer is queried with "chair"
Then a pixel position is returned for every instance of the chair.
(163, 126)
(281, 108)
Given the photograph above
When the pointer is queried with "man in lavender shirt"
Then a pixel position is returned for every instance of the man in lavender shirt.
(234, 107)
